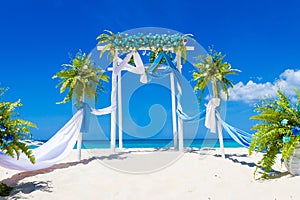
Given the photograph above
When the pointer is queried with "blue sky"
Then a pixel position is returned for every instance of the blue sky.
(259, 37)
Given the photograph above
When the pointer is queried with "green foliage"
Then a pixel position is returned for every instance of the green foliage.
(81, 77)
(155, 42)
(14, 130)
(213, 69)
(275, 133)
(107, 38)
(5, 189)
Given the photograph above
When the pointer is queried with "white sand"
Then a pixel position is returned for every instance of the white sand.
(195, 175)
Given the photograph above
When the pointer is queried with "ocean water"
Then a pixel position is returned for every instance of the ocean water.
(146, 143)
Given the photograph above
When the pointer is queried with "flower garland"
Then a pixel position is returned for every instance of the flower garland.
(155, 42)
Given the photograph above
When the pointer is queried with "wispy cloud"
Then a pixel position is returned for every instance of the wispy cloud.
(252, 91)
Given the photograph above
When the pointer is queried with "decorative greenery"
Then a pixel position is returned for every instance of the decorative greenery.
(278, 131)
(14, 130)
(5, 189)
(213, 69)
(155, 42)
(81, 77)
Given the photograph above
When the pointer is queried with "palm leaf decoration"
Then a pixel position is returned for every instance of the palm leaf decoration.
(14, 130)
(81, 77)
(105, 38)
(212, 68)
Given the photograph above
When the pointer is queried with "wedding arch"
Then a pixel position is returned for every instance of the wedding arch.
(130, 45)
(161, 45)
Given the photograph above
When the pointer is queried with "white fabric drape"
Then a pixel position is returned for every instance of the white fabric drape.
(103, 111)
(51, 152)
(210, 118)
(60, 145)
(123, 65)
(138, 69)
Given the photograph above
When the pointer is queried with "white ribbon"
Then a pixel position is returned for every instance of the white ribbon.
(103, 111)
(138, 69)
(210, 117)
(57, 148)
(123, 64)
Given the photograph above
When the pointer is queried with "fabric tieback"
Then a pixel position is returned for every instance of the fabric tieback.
(86, 118)
(210, 118)
(103, 111)
(158, 59)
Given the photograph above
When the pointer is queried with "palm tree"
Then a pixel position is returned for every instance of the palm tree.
(81, 77)
(212, 69)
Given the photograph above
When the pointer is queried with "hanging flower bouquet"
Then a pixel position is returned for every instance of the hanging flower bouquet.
(279, 130)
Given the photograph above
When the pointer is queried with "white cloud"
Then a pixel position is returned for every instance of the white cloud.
(289, 80)
(252, 91)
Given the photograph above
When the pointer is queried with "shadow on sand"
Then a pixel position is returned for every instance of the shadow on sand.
(29, 187)
(236, 158)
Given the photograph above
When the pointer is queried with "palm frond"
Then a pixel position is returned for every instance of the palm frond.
(212, 67)
(81, 78)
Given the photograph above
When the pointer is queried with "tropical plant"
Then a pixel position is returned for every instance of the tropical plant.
(278, 130)
(213, 69)
(155, 42)
(81, 77)
(5, 189)
(13, 130)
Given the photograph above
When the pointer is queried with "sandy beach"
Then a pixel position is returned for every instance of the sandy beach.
(195, 174)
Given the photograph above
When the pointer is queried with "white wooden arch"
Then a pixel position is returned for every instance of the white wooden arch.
(116, 99)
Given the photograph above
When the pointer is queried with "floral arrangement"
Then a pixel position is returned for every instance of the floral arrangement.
(279, 130)
(81, 77)
(155, 42)
(14, 130)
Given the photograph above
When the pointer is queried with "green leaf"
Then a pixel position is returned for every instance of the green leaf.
(212, 67)
(79, 78)
(15, 127)
(270, 131)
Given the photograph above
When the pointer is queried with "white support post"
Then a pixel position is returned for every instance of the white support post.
(221, 139)
(120, 116)
(174, 121)
(79, 144)
(113, 102)
(180, 122)
(79, 139)
(219, 126)
(177, 126)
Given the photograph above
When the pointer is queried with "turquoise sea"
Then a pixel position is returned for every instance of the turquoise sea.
(157, 143)
(197, 143)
